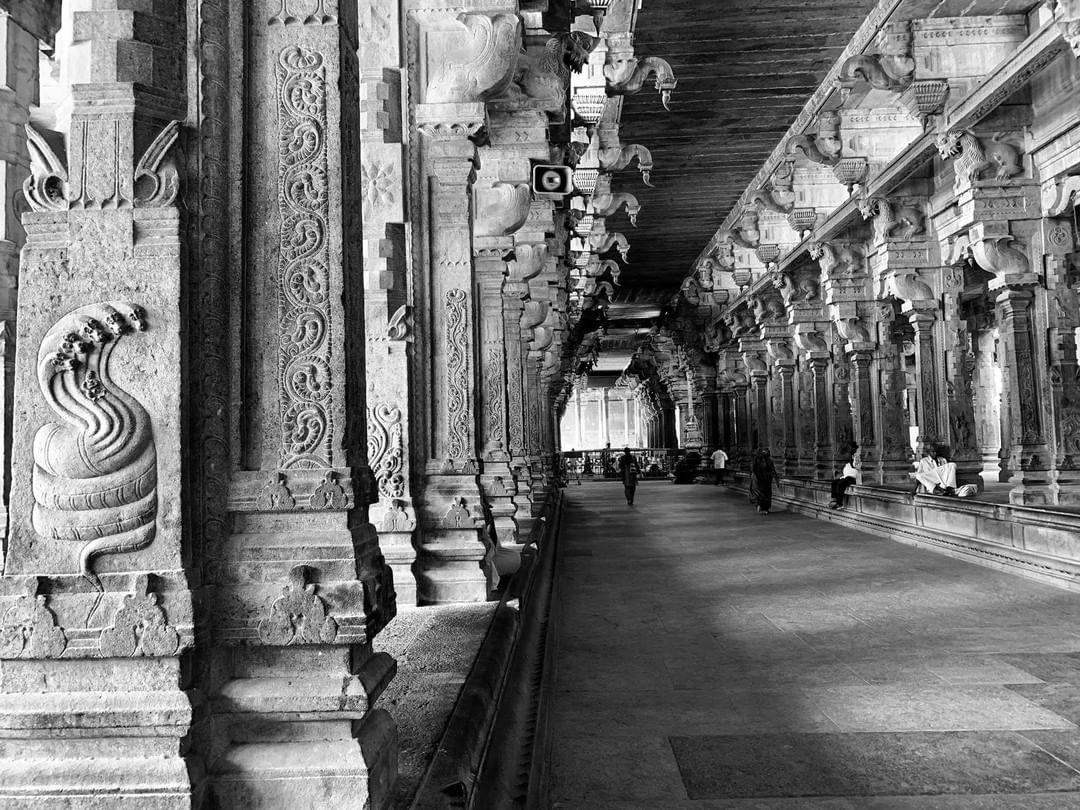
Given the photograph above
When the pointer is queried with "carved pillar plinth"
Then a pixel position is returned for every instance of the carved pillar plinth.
(1034, 479)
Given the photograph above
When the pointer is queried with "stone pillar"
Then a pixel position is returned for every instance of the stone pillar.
(783, 380)
(301, 543)
(497, 479)
(959, 401)
(96, 565)
(742, 424)
(654, 430)
(19, 82)
(1035, 482)
(711, 413)
(529, 260)
(727, 422)
(388, 314)
(895, 464)
(927, 399)
(862, 399)
(670, 436)
(759, 408)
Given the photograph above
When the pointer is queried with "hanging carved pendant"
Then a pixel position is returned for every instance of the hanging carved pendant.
(95, 471)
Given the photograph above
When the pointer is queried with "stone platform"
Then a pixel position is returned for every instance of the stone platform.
(709, 657)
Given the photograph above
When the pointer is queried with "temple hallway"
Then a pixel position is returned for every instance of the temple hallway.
(708, 657)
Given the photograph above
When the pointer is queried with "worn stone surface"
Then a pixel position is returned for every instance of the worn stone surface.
(807, 661)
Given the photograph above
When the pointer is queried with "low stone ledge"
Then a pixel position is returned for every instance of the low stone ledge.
(1036, 542)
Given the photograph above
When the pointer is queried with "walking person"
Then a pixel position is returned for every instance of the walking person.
(719, 465)
(629, 472)
(763, 472)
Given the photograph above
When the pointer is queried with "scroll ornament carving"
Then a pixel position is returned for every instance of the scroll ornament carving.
(475, 61)
(275, 496)
(298, 616)
(892, 219)
(95, 471)
(495, 393)
(139, 627)
(329, 494)
(396, 519)
(1059, 195)
(457, 374)
(458, 517)
(305, 380)
(29, 628)
(397, 328)
(973, 156)
(386, 449)
(626, 74)
(892, 69)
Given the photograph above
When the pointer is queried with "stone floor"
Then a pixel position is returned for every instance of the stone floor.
(709, 657)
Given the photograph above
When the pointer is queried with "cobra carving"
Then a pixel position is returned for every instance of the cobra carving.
(95, 471)
(306, 386)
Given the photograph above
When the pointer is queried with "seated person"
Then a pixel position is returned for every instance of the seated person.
(848, 476)
(937, 475)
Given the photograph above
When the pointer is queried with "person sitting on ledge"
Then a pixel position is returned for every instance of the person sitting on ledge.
(849, 475)
(937, 475)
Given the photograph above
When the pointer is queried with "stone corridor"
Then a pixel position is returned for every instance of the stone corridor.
(711, 658)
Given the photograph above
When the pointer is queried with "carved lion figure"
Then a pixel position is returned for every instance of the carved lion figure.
(889, 216)
(975, 155)
(546, 77)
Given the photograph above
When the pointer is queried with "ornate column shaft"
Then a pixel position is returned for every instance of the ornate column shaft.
(742, 425)
(1034, 481)
(928, 402)
(301, 542)
(861, 357)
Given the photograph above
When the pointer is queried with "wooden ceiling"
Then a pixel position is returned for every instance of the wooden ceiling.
(744, 72)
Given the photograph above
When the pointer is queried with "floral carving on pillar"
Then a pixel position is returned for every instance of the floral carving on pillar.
(457, 375)
(298, 616)
(306, 387)
(140, 627)
(28, 628)
(386, 449)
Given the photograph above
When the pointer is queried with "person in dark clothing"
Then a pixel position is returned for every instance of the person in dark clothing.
(762, 474)
(629, 472)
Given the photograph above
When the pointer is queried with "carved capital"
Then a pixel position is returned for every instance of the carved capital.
(472, 58)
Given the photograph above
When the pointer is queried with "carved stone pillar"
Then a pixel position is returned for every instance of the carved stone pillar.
(742, 424)
(927, 399)
(959, 403)
(1034, 480)
(301, 543)
(862, 400)
(96, 561)
(727, 421)
(784, 393)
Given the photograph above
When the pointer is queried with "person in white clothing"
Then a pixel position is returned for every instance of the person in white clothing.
(719, 464)
(848, 476)
(937, 475)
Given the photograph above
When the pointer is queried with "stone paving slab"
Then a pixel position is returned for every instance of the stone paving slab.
(696, 634)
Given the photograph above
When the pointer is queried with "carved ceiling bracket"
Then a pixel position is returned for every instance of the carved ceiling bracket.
(626, 74)
(891, 69)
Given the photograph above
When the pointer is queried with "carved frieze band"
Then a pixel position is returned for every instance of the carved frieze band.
(304, 352)
(495, 392)
(457, 375)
